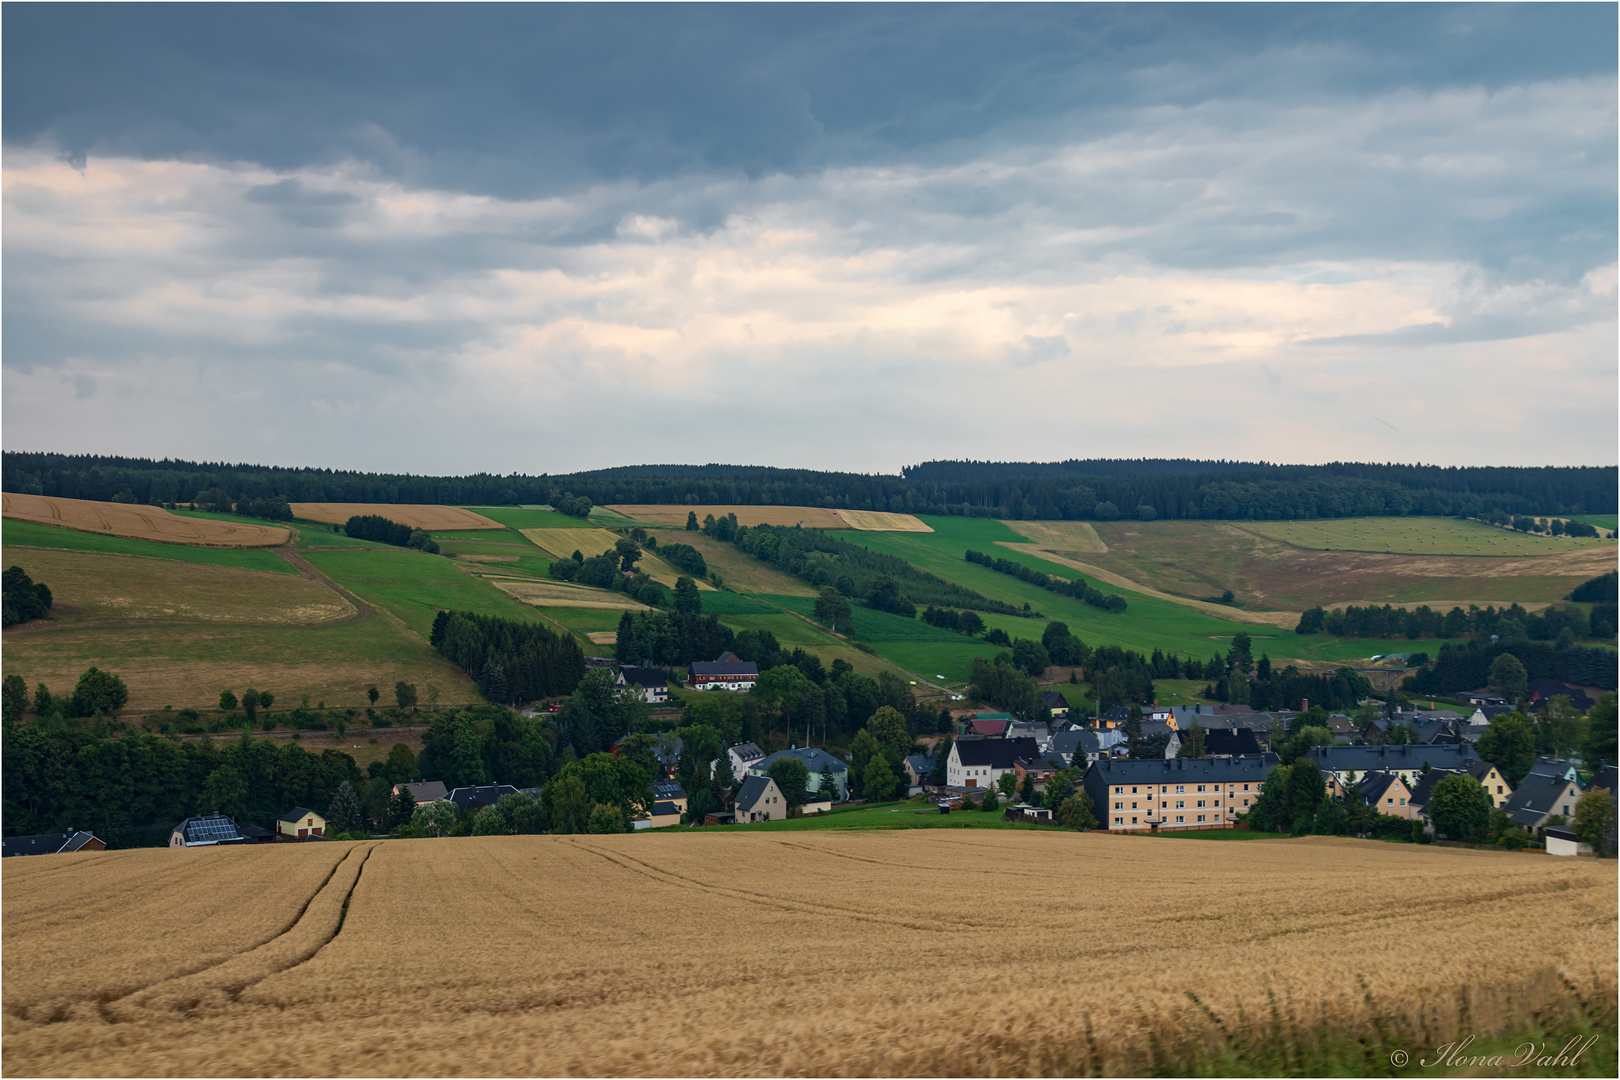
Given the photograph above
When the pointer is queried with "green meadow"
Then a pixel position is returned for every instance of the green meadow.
(1149, 623)
(14, 532)
(415, 586)
(523, 517)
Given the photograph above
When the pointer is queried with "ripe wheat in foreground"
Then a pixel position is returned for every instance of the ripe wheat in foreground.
(909, 953)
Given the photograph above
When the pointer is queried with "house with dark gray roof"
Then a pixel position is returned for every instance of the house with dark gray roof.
(759, 799)
(1172, 737)
(424, 791)
(919, 767)
(650, 684)
(1540, 796)
(1056, 703)
(738, 676)
(1387, 793)
(50, 844)
(1076, 747)
(1150, 794)
(815, 759)
(1408, 760)
(470, 800)
(980, 762)
(1231, 742)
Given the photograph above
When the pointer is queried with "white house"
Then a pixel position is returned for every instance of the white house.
(980, 762)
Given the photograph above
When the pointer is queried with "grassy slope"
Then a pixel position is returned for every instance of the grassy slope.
(1414, 536)
(416, 586)
(514, 517)
(22, 534)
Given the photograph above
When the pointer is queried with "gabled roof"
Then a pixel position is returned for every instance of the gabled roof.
(1563, 770)
(921, 764)
(753, 790)
(668, 789)
(644, 676)
(1374, 784)
(1070, 743)
(1605, 777)
(814, 758)
(1425, 786)
(736, 668)
(1117, 713)
(1054, 700)
(665, 809)
(475, 798)
(990, 726)
(994, 753)
(746, 752)
(1231, 743)
(1375, 758)
(1536, 797)
(297, 813)
(425, 791)
(45, 843)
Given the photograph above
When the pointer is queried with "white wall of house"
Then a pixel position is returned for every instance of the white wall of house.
(959, 775)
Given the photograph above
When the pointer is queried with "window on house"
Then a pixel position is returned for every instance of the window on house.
(1200, 787)
(1119, 791)
(1133, 821)
(1133, 791)
(1245, 787)
(1180, 803)
(1181, 789)
(1119, 806)
(1403, 802)
(1217, 802)
(1245, 802)
(1200, 817)
(1119, 821)
(1181, 819)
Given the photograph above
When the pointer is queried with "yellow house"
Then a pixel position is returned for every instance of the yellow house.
(300, 823)
(1388, 794)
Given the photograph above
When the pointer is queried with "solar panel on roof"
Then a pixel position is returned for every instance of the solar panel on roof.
(216, 829)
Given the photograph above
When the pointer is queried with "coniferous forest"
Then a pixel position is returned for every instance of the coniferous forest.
(1073, 490)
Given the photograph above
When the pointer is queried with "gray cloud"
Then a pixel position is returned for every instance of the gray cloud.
(845, 237)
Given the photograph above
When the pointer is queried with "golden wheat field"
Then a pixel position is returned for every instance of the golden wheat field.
(431, 518)
(140, 522)
(811, 517)
(927, 952)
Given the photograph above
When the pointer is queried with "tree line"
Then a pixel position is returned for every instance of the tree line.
(1550, 624)
(384, 531)
(1467, 665)
(510, 661)
(883, 582)
(1076, 589)
(1019, 490)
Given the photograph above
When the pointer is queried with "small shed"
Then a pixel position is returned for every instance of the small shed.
(300, 823)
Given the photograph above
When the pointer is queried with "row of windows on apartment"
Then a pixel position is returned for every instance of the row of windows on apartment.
(1181, 804)
(1181, 789)
(1181, 819)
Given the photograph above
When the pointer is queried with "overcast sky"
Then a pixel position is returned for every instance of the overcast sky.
(548, 238)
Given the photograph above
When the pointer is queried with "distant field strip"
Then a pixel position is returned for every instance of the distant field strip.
(139, 522)
(562, 594)
(1068, 537)
(1286, 619)
(431, 518)
(1418, 536)
(811, 517)
(290, 959)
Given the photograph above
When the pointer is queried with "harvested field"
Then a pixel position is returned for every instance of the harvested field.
(89, 586)
(740, 571)
(811, 517)
(1288, 619)
(563, 594)
(1066, 537)
(562, 543)
(1417, 536)
(522, 954)
(431, 518)
(1198, 559)
(139, 522)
